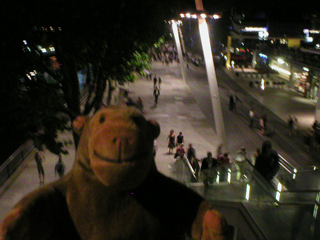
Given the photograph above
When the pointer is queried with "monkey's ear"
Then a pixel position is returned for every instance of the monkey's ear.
(155, 128)
(79, 123)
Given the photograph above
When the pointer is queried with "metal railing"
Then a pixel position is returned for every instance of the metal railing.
(14, 161)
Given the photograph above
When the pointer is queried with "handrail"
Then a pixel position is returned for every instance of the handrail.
(190, 167)
(286, 165)
(14, 161)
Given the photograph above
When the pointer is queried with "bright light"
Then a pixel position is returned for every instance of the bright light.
(229, 175)
(218, 177)
(248, 192)
(263, 34)
(283, 41)
(194, 16)
(315, 211)
(309, 39)
(203, 15)
(216, 16)
(182, 15)
(43, 50)
(281, 70)
(262, 86)
(254, 29)
(188, 15)
(279, 189)
(280, 61)
(294, 173)
(263, 55)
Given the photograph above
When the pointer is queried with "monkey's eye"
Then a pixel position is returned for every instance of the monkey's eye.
(102, 119)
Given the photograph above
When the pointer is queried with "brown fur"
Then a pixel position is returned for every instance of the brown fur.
(113, 190)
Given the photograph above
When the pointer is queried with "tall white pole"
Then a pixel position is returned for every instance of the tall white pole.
(178, 44)
(317, 115)
(212, 79)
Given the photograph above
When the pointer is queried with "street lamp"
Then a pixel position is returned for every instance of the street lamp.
(211, 74)
(212, 79)
(174, 24)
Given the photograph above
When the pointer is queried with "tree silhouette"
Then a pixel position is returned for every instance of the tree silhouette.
(40, 90)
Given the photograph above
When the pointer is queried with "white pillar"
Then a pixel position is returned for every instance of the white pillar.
(178, 44)
(318, 107)
(212, 79)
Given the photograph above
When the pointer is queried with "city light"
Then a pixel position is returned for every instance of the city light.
(263, 84)
(254, 29)
(280, 61)
(279, 189)
(281, 70)
(218, 177)
(229, 175)
(202, 15)
(216, 16)
(248, 192)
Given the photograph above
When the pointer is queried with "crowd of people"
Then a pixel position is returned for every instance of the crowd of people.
(266, 159)
(176, 148)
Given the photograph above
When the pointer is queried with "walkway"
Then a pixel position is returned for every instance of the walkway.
(177, 109)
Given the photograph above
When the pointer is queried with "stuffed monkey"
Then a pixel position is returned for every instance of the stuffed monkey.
(114, 191)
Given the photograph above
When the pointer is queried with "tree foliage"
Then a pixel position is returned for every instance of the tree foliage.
(108, 40)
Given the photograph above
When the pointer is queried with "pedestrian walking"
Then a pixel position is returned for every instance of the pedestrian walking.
(180, 152)
(233, 99)
(267, 162)
(191, 152)
(290, 125)
(39, 158)
(224, 159)
(251, 118)
(209, 162)
(180, 139)
(241, 155)
(262, 128)
(171, 141)
(219, 150)
(241, 162)
(159, 82)
(155, 81)
(292, 121)
(265, 119)
(156, 93)
(232, 102)
(59, 167)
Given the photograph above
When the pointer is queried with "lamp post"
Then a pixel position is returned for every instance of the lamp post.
(178, 44)
(211, 74)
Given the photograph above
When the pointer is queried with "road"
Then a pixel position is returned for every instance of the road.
(236, 123)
